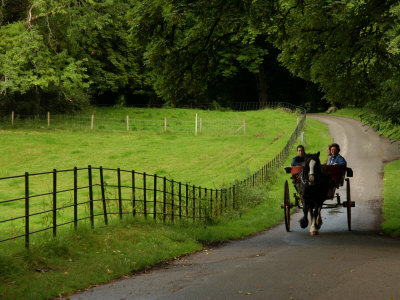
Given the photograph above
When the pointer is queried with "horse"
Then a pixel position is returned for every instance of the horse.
(313, 185)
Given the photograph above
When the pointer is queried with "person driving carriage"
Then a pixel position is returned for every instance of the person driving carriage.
(299, 159)
(335, 158)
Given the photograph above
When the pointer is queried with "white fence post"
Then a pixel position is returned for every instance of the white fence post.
(48, 119)
(201, 124)
(195, 128)
(127, 123)
(12, 118)
(165, 124)
(244, 126)
(92, 122)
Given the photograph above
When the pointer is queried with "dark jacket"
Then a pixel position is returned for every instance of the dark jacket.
(297, 160)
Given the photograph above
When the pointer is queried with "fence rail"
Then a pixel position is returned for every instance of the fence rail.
(93, 194)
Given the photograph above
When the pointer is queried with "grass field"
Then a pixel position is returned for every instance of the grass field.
(391, 203)
(76, 260)
(207, 160)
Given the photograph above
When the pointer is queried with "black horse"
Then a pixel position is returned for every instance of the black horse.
(313, 185)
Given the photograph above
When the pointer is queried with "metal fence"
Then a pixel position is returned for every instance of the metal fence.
(57, 198)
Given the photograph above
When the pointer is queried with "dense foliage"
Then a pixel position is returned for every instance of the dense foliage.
(66, 53)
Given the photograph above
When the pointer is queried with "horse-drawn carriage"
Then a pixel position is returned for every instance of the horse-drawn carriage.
(314, 184)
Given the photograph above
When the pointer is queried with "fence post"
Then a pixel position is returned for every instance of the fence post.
(226, 197)
(172, 201)
(48, 119)
(155, 198)
(201, 125)
(75, 197)
(244, 126)
(221, 204)
(164, 198)
(144, 195)
(127, 123)
(119, 193)
(195, 128)
(54, 202)
(92, 122)
(26, 210)
(211, 202)
(187, 200)
(199, 202)
(103, 196)
(165, 124)
(91, 195)
(205, 200)
(133, 195)
(12, 118)
(194, 201)
(216, 202)
(180, 201)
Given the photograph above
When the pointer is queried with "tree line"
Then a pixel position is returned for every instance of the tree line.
(63, 54)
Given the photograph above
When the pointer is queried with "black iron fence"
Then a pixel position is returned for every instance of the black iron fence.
(57, 198)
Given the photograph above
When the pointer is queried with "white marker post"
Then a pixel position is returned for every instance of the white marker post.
(244, 126)
(12, 118)
(165, 124)
(195, 128)
(48, 119)
(92, 122)
(127, 123)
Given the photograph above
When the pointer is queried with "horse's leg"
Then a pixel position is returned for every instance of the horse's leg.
(304, 219)
(319, 218)
(314, 227)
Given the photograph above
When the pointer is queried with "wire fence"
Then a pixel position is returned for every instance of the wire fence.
(128, 123)
(48, 200)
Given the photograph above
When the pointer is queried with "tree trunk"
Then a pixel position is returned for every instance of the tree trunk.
(262, 86)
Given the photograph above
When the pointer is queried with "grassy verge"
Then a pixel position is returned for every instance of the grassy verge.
(391, 190)
(75, 260)
(391, 204)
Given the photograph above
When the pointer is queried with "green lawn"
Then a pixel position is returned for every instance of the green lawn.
(77, 260)
(391, 203)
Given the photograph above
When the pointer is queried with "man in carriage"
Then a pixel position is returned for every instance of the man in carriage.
(299, 159)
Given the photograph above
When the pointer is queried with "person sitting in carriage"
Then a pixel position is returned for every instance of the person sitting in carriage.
(335, 158)
(299, 159)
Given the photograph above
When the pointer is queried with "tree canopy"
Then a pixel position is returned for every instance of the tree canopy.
(67, 53)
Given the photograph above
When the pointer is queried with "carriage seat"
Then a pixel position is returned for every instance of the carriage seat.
(337, 173)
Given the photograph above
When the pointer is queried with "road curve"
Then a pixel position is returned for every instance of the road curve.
(336, 264)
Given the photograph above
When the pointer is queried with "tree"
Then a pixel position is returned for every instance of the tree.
(350, 48)
(187, 44)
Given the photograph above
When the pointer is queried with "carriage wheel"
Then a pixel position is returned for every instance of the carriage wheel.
(287, 206)
(348, 200)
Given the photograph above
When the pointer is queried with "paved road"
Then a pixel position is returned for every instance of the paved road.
(336, 264)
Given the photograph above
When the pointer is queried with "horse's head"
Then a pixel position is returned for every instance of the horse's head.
(311, 169)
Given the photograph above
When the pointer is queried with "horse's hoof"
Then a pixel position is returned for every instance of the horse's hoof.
(303, 223)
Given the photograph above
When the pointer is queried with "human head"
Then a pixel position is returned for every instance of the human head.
(328, 150)
(335, 149)
(300, 151)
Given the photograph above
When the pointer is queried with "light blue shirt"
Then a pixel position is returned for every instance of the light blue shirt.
(338, 159)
